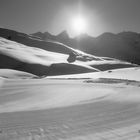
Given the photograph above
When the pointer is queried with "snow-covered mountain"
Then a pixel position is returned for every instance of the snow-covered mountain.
(124, 46)
(37, 61)
(22, 52)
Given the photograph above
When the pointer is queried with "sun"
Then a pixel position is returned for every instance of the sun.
(79, 25)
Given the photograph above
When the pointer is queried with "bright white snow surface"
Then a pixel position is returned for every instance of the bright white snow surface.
(42, 94)
(14, 74)
(30, 54)
(19, 95)
(34, 94)
(125, 73)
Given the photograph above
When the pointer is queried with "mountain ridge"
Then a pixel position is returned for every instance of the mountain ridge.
(124, 45)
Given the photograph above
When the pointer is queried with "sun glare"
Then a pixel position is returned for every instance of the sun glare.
(79, 24)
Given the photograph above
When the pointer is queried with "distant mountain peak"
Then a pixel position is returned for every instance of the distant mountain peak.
(128, 34)
(37, 34)
(107, 34)
(63, 34)
(47, 33)
(44, 36)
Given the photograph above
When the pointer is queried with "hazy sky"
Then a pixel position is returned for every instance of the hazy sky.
(30, 16)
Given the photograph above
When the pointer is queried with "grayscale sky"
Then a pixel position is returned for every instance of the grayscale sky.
(54, 16)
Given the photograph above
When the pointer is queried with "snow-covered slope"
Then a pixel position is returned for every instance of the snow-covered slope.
(30, 54)
(36, 94)
(125, 73)
(14, 74)
(37, 61)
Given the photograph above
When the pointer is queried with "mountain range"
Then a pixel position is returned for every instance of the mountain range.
(124, 45)
(43, 54)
